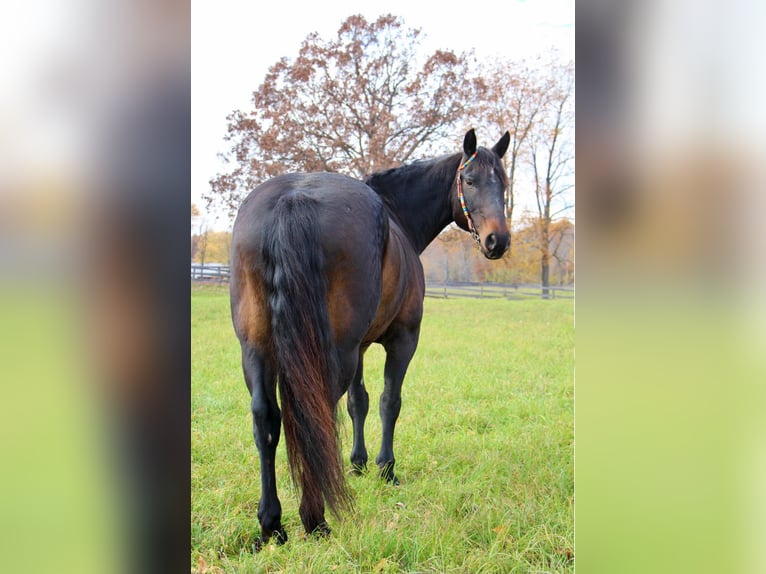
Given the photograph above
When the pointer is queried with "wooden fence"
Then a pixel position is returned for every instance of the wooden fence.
(496, 291)
(219, 273)
(210, 272)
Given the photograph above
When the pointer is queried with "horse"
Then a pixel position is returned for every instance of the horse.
(322, 266)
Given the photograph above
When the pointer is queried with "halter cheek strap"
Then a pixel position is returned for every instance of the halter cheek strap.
(461, 198)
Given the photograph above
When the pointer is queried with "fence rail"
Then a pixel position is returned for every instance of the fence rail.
(497, 290)
(210, 272)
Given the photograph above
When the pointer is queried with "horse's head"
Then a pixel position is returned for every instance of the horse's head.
(480, 192)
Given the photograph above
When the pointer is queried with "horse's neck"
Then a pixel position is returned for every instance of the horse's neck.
(422, 210)
(422, 227)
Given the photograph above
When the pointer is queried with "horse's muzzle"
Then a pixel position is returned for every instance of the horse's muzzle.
(496, 244)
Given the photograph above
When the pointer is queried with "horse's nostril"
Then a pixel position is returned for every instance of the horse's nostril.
(490, 242)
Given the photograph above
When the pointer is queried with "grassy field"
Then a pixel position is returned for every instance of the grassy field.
(484, 448)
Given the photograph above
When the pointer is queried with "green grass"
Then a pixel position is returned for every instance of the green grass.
(484, 447)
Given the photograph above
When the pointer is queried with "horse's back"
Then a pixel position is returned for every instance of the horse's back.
(341, 201)
(352, 229)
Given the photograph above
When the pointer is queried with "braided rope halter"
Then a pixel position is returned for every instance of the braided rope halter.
(461, 198)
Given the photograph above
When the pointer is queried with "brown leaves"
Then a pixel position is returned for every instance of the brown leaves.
(357, 103)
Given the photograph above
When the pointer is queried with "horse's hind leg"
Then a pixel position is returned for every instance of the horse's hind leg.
(261, 381)
(399, 350)
(358, 405)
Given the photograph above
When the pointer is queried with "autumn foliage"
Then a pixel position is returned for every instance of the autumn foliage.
(364, 101)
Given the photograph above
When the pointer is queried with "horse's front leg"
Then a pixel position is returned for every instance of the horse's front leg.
(358, 404)
(399, 350)
(261, 380)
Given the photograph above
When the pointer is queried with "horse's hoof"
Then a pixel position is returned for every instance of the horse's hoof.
(358, 469)
(279, 537)
(387, 474)
(322, 530)
(258, 544)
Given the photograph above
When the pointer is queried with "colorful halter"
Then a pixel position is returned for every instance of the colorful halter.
(461, 198)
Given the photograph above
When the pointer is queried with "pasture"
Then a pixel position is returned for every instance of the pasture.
(484, 451)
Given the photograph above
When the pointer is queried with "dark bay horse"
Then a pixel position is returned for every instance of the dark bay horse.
(323, 266)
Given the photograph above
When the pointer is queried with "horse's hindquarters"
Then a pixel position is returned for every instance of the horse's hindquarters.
(353, 229)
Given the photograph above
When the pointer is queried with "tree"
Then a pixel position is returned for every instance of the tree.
(456, 246)
(198, 239)
(356, 104)
(551, 158)
(562, 250)
(515, 99)
(522, 262)
(215, 246)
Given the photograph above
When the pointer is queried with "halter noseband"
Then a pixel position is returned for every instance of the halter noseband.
(461, 198)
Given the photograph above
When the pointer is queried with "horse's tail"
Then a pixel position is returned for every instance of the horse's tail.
(304, 351)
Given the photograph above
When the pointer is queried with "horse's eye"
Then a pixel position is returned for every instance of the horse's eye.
(469, 181)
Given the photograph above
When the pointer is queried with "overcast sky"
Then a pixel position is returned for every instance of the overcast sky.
(235, 41)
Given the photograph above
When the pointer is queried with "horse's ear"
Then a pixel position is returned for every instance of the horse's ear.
(502, 145)
(469, 143)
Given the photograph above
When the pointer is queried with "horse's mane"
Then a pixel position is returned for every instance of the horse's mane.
(391, 183)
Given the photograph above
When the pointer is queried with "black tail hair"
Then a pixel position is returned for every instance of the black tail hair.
(305, 352)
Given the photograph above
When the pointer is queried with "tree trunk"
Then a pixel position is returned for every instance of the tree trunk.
(545, 259)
